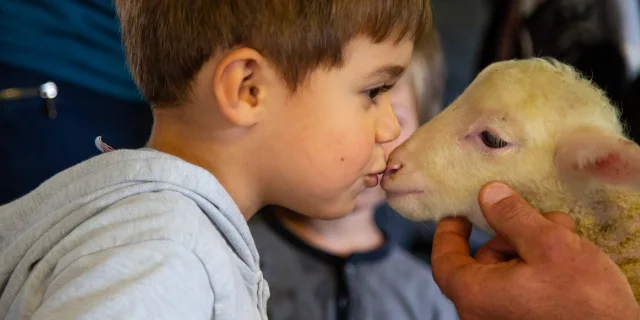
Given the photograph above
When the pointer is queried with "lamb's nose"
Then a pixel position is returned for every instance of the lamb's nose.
(392, 168)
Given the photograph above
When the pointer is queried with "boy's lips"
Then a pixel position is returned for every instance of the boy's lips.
(371, 180)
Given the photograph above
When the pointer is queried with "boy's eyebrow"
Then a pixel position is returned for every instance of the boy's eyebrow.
(389, 71)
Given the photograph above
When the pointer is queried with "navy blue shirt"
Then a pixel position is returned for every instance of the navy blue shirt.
(77, 41)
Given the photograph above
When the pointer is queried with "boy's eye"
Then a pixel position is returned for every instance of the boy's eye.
(375, 92)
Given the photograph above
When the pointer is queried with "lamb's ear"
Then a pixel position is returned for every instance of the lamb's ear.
(593, 153)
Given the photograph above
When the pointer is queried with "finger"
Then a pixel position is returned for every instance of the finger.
(450, 253)
(498, 243)
(495, 250)
(515, 220)
(451, 236)
(562, 219)
(486, 255)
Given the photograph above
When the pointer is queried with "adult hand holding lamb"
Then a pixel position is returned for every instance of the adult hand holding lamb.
(535, 268)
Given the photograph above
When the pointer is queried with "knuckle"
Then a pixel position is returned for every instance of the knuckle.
(591, 250)
(557, 244)
(562, 219)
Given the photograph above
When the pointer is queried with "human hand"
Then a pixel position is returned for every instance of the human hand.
(535, 268)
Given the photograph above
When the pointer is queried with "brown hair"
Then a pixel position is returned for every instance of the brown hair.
(168, 41)
(428, 76)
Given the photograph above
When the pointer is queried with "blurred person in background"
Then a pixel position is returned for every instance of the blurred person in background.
(63, 82)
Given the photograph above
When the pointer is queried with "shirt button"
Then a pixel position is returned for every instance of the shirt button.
(342, 302)
(349, 268)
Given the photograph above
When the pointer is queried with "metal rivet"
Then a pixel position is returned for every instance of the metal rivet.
(48, 90)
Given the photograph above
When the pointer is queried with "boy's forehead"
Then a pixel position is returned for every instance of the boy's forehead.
(386, 71)
(387, 59)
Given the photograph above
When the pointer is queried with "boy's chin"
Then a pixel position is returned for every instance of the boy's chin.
(330, 214)
(369, 199)
(323, 211)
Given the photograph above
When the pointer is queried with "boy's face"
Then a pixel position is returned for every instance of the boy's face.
(405, 107)
(328, 135)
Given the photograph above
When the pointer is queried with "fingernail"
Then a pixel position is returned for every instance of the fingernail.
(497, 192)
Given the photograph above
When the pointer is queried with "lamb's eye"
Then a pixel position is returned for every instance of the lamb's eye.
(492, 141)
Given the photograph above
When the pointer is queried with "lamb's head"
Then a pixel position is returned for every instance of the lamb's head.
(535, 124)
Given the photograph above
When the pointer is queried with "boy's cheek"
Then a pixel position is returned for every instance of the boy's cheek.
(333, 151)
(354, 150)
(335, 168)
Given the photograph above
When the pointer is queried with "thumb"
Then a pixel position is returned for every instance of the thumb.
(514, 219)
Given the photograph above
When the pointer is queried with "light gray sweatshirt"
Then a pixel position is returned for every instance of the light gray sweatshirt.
(130, 234)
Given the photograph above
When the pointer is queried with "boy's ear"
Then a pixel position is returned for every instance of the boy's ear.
(237, 88)
(591, 153)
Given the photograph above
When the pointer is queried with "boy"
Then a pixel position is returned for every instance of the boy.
(348, 268)
(253, 105)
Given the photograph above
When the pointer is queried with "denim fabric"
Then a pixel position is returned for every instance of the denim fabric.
(34, 147)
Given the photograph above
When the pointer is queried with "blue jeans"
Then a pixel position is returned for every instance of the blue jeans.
(34, 147)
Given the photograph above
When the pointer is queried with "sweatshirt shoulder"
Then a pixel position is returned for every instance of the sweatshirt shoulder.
(164, 215)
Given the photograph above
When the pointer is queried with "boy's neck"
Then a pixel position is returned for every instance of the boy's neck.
(176, 134)
(356, 232)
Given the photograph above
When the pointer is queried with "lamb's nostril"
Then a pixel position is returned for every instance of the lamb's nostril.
(392, 168)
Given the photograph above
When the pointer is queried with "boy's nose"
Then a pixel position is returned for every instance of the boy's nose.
(388, 126)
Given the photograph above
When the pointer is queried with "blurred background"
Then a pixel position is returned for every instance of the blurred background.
(64, 82)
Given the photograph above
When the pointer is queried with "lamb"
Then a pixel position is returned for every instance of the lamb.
(545, 130)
